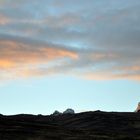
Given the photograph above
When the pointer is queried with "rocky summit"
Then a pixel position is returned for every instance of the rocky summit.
(82, 126)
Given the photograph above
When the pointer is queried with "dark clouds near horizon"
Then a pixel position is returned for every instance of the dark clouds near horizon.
(94, 39)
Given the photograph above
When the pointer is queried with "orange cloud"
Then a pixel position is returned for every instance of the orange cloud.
(28, 59)
(6, 64)
(22, 58)
(4, 20)
(99, 76)
(19, 52)
(109, 75)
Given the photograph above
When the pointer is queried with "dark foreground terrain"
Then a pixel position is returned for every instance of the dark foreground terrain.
(83, 126)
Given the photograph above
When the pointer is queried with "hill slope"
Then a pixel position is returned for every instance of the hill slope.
(83, 126)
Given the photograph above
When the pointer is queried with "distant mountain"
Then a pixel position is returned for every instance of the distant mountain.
(82, 126)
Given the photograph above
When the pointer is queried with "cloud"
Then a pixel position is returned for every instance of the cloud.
(4, 20)
(18, 57)
(95, 40)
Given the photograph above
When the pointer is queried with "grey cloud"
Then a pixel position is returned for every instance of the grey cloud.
(104, 34)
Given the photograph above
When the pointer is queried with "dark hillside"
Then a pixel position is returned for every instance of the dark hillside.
(83, 126)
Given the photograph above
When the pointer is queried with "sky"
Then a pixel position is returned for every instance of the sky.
(59, 54)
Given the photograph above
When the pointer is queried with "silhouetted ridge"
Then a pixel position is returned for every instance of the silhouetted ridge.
(82, 126)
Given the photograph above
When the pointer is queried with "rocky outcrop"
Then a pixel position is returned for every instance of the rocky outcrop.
(69, 111)
(138, 108)
(56, 113)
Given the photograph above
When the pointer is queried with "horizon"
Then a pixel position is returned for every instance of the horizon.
(59, 54)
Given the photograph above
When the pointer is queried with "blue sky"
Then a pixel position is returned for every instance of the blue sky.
(59, 54)
(60, 92)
